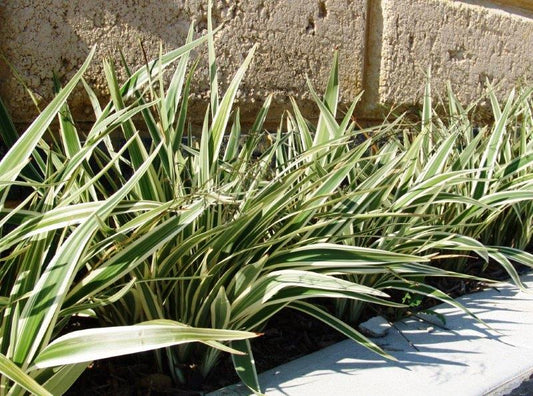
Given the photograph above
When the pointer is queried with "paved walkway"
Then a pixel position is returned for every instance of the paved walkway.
(524, 389)
(463, 358)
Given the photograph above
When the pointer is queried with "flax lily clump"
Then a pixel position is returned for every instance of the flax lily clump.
(60, 231)
(449, 188)
(192, 245)
(166, 245)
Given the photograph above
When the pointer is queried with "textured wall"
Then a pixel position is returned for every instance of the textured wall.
(295, 38)
(464, 42)
(385, 45)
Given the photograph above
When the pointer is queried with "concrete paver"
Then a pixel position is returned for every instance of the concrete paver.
(463, 357)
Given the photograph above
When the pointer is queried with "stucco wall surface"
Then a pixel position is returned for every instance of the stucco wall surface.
(386, 46)
(466, 43)
(296, 38)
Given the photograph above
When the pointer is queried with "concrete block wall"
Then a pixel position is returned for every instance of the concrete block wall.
(385, 46)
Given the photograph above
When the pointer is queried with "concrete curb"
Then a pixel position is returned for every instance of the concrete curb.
(463, 357)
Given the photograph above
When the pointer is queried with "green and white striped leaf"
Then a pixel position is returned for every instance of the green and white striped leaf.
(15, 374)
(92, 344)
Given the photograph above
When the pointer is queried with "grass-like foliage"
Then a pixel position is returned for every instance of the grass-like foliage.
(192, 243)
